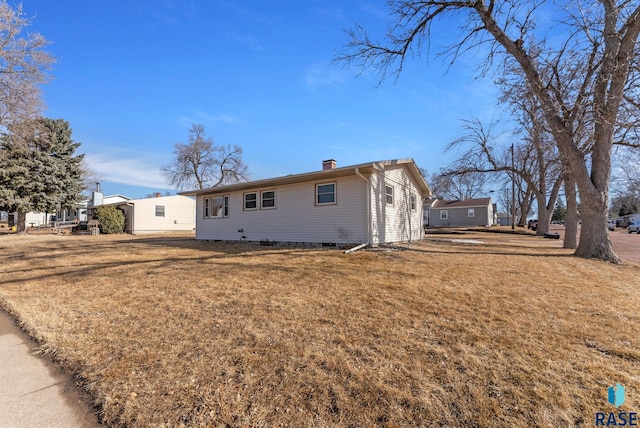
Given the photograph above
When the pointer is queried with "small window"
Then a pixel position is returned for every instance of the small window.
(414, 204)
(205, 208)
(471, 212)
(220, 207)
(268, 199)
(444, 215)
(251, 201)
(326, 194)
(388, 190)
(159, 210)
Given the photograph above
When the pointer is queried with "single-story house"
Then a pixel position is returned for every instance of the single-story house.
(39, 219)
(158, 214)
(370, 203)
(462, 213)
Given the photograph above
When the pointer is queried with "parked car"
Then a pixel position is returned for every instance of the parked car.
(634, 226)
(612, 225)
(532, 224)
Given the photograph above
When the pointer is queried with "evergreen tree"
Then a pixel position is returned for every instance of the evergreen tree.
(560, 211)
(39, 170)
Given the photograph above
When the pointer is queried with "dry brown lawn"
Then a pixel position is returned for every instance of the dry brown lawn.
(167, 331)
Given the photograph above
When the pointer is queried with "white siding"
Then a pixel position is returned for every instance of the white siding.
(37, 219)
(397, 222)
(179, 215)
(296, 218)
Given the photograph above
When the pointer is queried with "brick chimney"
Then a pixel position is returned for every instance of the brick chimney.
(328, 164)
(157, 195)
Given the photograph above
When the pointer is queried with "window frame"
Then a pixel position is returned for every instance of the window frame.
(262, 200)
(224, 207)
(413, 202)
(471, 212)
(335, 193)
(244, 201)
(387, 195)
(444, 214)
(207, 208)
(164, 210)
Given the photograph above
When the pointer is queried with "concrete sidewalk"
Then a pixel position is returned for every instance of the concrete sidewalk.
(32, 392)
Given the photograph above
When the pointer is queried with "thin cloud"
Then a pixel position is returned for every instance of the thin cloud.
(173, 13)
(320, 76)
(200, 117)
(124, 169)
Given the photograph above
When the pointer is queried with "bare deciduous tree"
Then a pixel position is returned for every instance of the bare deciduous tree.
(593, 43)
(534, 162)
(23, 66)
(467, 185)
(201, 163)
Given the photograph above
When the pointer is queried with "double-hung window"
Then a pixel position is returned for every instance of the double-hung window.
(159, 210)
(250, 201)
(444, 214)
(414, 203)
(267, 199)
(388, 192)
(325, 193)
(471, 212)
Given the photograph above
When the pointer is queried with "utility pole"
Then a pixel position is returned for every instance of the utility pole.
(513, 190)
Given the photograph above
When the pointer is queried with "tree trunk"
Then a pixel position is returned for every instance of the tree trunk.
(571, 225)
(594, 237)
(525, 207)
(543, 220)
(21, 223)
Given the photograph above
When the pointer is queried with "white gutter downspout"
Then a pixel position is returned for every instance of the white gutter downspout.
(368, 213)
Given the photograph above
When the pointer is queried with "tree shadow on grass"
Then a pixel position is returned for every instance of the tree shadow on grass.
(215, 252)
(484, 248)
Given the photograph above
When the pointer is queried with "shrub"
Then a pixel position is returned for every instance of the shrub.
(111, 219)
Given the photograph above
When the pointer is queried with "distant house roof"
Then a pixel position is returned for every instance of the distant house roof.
(465, 203)
(319, 175)
(117, 196)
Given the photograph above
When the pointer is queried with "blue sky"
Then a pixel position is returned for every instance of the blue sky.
(132, 77)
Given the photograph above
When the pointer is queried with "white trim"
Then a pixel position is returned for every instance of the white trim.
(262, 192)
(386, 194)
(335, 193)
(244, 201)
(224, 207)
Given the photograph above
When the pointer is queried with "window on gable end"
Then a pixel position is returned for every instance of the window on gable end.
(388, 193)
(326, 194)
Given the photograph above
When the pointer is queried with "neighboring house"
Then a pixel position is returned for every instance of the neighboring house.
(158, 214)
(37, 219)
(462, 213)
(504, 219)
(371, 203)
